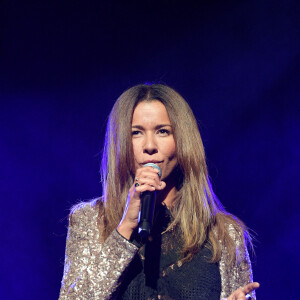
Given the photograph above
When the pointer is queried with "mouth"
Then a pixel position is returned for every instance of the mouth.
(152, 161)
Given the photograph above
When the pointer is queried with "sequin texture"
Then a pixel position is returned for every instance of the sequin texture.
(94, 270)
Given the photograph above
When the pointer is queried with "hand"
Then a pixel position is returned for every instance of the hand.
(240, 294)
(148, 180)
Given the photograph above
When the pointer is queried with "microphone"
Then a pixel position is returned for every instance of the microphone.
(147, 209)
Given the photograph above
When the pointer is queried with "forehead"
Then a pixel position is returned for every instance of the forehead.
(150, 112)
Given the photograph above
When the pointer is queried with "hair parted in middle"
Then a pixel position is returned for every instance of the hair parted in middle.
(197, 211)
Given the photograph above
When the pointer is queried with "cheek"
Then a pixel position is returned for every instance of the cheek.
(136, 157)
(170, 149)
(136, 149)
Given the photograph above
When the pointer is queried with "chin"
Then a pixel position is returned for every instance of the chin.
(168, 173)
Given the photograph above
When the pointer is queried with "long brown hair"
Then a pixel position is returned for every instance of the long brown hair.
(197, 210)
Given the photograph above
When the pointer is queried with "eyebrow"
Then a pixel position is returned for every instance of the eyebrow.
(156, 127)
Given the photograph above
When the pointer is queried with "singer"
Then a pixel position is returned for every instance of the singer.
(195, 250)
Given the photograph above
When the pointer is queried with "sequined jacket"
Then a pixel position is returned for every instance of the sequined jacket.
(93, 270)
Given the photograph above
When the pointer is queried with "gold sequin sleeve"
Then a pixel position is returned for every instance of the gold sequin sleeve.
(92, 270)
(238, 275)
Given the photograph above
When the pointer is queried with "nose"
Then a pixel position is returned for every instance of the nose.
(150, 146)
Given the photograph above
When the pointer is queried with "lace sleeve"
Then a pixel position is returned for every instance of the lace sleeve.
(92, 269)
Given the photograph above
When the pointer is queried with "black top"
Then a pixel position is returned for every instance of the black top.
(157, 272)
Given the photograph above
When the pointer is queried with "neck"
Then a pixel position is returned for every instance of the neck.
(167, 195)
(173, 183)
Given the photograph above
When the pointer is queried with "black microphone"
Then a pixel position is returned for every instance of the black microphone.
(147, 209)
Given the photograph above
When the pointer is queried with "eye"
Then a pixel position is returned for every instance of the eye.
(164, 131)
(135, 132)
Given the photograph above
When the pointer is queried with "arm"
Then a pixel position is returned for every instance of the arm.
(240, 274)
(92, 269)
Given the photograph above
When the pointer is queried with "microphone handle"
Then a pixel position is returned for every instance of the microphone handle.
(146, 214)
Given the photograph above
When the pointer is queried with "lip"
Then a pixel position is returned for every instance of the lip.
(151, 161)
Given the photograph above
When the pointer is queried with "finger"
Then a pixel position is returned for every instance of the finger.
(137, 189)
(240, 297)
(151, 169)
(146, 174)
(143, 188)
(149, 181)
(162, 185)
(243, 297)
(146, 171)
(250, 287)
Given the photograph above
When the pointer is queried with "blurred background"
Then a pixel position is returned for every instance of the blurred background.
(64, 63)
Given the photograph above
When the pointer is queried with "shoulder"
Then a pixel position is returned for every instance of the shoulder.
(237, 239)
(86, 208)
(86, 212)
(236, 232)
(235, 228)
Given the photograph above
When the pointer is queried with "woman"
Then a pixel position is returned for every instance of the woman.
(196, 250)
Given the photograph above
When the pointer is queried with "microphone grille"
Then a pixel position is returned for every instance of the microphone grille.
(154, 166)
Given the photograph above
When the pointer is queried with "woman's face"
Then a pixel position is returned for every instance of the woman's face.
(152, 137)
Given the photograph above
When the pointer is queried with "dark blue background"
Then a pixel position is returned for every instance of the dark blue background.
(63, 64)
